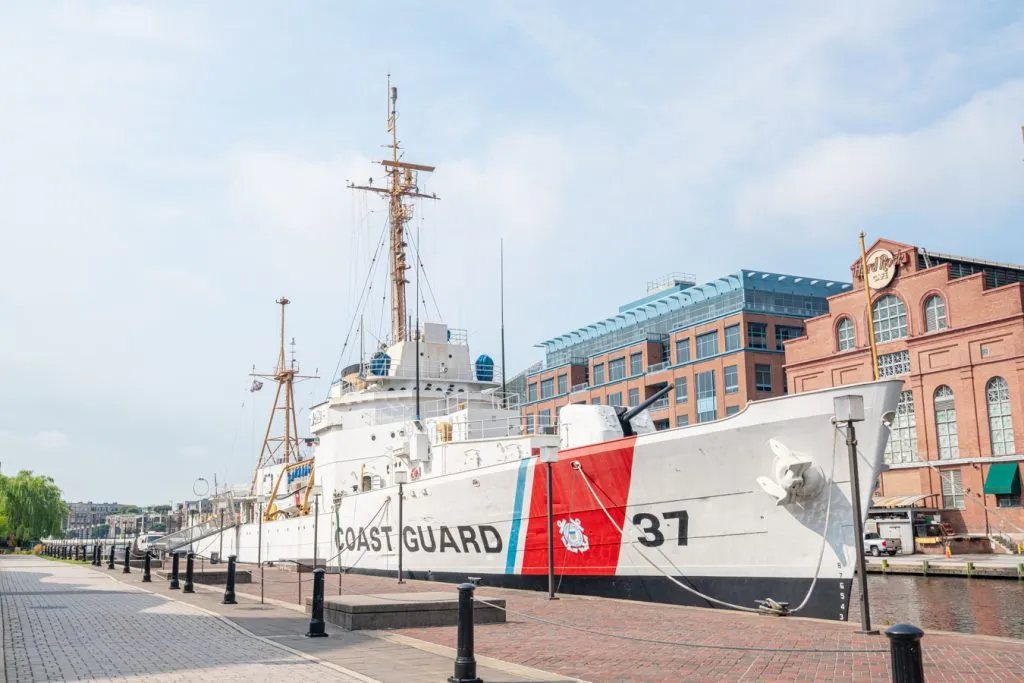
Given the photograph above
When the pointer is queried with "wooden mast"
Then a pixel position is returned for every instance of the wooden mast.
(285, 448)
(402, 184)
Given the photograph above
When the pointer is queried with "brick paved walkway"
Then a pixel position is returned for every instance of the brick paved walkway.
(65, 622)
(374, 657)
(599, 658)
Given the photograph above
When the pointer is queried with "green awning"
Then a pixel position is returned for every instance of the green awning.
(1002, 478)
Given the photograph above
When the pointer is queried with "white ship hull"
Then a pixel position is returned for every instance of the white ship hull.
(676, 516)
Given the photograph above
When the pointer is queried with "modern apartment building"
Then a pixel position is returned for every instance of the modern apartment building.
(720, 344)
(953, 329)
(87, 516)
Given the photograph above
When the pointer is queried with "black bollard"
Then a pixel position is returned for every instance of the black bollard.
(465, 662)
(174, 571)
(229, 587)
(188, 574)
(95, 554)
(146, 578)
(905, 651)
(83, 554)
(317, 628)
(127, 556)
(110, 562)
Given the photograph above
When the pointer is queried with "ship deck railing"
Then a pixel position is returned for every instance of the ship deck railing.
(431, 408)
(189, 535)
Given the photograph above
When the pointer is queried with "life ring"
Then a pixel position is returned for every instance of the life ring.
(415, 473)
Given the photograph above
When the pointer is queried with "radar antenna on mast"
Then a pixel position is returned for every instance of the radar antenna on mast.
(285, 448)
(403, 184)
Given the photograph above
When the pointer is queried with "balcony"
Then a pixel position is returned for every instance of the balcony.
(576, 388)
(658, 367)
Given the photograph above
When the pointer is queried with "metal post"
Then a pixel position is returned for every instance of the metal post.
(189, 561)
(259, 551)
(174, 571)
(858, 530)
(317, 627)
(127, 556)
(110, 561)
(220, 552)
(146, 578)
(905, 653)
(400, 522)
(465, 662)
(551, 537)
(316, 526)
(229, 587)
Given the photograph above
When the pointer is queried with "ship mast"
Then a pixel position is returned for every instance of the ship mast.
(402, 185)
(284, 448)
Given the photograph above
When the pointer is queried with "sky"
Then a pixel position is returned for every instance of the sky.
(168, 170)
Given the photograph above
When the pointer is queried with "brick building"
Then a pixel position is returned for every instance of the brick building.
(720, 344)
(953, 329)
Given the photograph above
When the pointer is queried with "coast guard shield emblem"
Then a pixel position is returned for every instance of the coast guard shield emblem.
(573, 538)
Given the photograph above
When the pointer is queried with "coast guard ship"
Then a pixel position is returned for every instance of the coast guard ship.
(419, 459)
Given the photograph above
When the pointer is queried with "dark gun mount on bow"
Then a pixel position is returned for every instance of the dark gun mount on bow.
(626, 414)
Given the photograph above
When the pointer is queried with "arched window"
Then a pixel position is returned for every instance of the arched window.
(935, 313)
(1000, 421)
(902, 444)
(845, 334)
(890, 318)
(945, 423)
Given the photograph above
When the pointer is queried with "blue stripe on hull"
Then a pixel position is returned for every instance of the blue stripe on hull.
(517, 513)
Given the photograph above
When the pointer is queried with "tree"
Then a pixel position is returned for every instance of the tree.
(30, 507)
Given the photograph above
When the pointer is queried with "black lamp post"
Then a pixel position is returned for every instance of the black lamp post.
(401, 477)
(850, 409)
(261, 499)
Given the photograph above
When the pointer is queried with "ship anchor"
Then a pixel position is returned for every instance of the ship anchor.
(795, 476)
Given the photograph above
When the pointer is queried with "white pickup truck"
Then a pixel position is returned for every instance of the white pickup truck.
(876, 545)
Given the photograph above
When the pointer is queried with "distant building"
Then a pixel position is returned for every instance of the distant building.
(720, 344)
(952, 328)
(86, 516)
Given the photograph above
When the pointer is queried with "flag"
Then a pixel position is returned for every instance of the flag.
(256, 385)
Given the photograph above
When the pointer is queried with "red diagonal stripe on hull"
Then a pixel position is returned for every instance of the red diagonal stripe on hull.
(609, 466)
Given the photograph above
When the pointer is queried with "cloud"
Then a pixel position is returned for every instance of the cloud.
(290, 194)
(968, 158)
(195, 452)
(50, 440)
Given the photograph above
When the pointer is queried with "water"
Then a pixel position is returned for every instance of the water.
(983, 606)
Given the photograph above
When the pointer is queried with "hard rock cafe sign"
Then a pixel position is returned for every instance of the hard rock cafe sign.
(881, 267)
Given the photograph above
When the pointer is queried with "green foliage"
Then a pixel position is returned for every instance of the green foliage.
(161, 509)
(127, 509)
(30, 507)
(158, 526)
